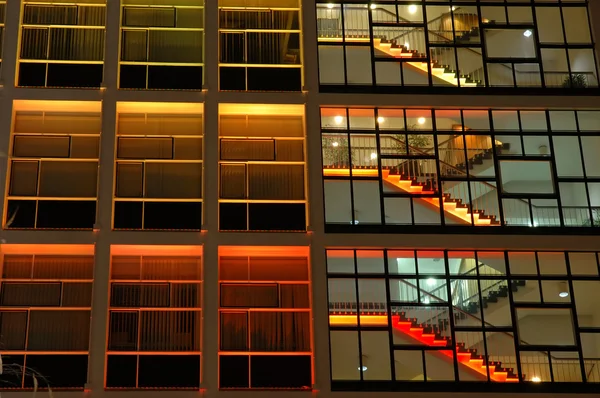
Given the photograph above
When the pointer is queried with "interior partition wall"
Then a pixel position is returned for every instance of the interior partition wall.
(389, 168)
(427, 319)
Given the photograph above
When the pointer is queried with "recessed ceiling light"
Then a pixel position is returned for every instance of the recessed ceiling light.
(421, 120)
(527, 33)
(563, 290)
(329, 5)
(335, 144)
(373, 6)
(338, 119)
(373, 155)
(453, 8)
(431, 281)
(412, 9)
(380, 119)
(536, 379)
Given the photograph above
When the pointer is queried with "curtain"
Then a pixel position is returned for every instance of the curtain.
(170, 331)
(234, 331)
(294, 296)
(249, 295)
(59, 330)
(280, 331)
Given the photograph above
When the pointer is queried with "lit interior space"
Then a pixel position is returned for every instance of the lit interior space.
(498, 168)
(158, 166)
(262, 168)
(53, 165)
(162, 44)
(45, 309)
(260, 45)
(397, 43)
(447, 316)
(62, 44)
(155, 317)
(265, 318)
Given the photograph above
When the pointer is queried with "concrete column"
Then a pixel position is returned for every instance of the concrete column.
(10, 51)
(103, 226)
(210, 304)
(7, 87)
(320, 305)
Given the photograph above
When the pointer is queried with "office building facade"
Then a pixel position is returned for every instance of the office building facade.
(411, 189)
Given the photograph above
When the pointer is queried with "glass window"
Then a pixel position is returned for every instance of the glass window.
(266, 325)
(388, 168)
(155, 328)
(441, 45)
(53, 175)
(262, 166)
(162, 45)
(62, 45)
(396, 326)
(260, 46)
(45, 312)
(158, 166)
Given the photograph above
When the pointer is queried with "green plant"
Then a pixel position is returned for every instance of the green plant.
(415, 141)
(594, 221)
(575, 80)
(335, 151)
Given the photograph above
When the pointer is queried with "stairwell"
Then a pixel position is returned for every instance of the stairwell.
(434, 330)
(443, 72)
(431, 335)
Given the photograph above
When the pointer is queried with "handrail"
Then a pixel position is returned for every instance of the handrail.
(448, 41)
(453, 168)
(413, 149)
(454, 308)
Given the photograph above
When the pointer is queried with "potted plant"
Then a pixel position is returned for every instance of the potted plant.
(416, 143)
(575, 80)
(335, 151)
(594, 221)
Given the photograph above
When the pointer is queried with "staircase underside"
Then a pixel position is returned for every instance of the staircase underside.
(461, 214)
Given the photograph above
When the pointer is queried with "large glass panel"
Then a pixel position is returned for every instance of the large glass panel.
(162, 44)
(458, 167)
(394, 43)
(260, 45)
(62, 45)
(262, 168)
(265, 318)
(411, 325)
(45, 313)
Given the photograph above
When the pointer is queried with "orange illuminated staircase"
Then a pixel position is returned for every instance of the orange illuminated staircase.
(442, 72)
(428, 335)
(393, 49)
(453, 207)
